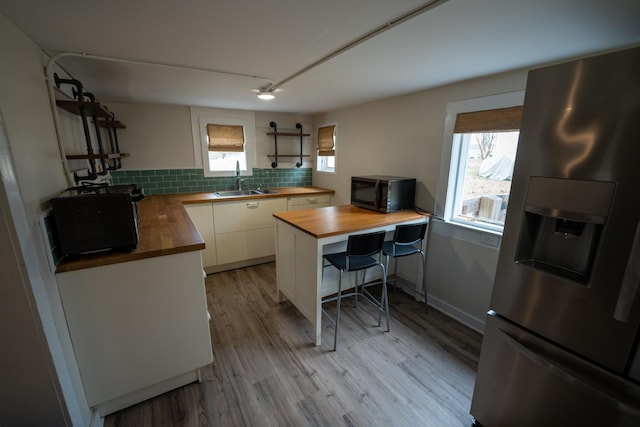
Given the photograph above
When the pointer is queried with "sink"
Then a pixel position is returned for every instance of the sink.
(239, 193)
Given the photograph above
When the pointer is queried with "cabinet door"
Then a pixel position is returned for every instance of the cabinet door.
(202, 218)
(308, 202)
(246, 215)
(246, 229)
(136, 324)
(245, 245)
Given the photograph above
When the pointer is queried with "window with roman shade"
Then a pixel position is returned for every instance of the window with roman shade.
(484, 145)
(497, 120)
(226, 138)
(326, 149)
(326, 141)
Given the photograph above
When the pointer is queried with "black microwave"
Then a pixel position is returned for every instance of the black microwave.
(383, 193)
(96, 218)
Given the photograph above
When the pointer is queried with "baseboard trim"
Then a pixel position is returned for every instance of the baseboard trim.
(457, 314)
(238, 264)
(443, 307)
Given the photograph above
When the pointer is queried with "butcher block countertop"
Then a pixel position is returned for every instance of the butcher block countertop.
(334, 220)
(164, 227)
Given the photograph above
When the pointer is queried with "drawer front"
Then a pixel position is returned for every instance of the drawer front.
(308, 202)
(246, 215)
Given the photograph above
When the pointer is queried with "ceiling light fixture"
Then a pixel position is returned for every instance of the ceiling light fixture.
(266, 95)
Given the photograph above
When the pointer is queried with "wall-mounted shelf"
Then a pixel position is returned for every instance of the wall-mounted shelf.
(288, 155)
(86, 106)
(90, 108)
(115, 124)
(96, 156)
(275, 135)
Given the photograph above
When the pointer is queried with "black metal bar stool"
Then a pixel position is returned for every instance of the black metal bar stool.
(360, 255)
(407, 240)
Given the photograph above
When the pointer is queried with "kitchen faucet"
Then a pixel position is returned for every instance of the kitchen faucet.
(239, 180)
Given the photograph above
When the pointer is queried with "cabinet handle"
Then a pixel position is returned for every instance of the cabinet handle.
(312, 200)
(252, 205)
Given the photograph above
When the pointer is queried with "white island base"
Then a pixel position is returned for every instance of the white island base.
(303, 237)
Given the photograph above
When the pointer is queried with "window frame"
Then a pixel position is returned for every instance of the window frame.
(454, 155)
(321, 160)
(200, 117)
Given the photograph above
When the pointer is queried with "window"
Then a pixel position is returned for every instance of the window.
(221, 138)
(483, 139)
(225, 146)
(326, 148)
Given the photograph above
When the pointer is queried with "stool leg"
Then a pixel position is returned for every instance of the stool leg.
(385, 296)
(424, 280)
(335, 335)
(355, 284)
(395, 274)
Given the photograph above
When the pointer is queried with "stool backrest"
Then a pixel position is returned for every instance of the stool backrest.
(367, 244)
(409, 234)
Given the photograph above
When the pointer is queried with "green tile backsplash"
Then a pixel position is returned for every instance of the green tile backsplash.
(168, 181)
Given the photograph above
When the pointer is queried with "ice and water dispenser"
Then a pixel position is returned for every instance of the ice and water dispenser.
(562, 225)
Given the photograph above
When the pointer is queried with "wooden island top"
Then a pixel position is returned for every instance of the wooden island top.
(335, 220)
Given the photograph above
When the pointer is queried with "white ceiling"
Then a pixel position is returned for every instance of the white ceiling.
(275, 39)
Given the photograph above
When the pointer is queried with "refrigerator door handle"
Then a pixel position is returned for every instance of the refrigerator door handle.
(630, 282)
(556, 367)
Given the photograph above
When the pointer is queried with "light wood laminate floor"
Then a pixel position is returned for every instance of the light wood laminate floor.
(267, 372)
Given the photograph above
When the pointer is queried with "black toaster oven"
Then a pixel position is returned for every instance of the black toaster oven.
(96, 218)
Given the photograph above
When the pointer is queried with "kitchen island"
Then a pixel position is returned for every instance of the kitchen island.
(303, 237)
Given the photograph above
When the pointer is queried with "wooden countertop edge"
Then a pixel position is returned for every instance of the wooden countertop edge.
(109, 258)
(307, 221)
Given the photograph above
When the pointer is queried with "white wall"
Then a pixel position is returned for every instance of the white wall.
(160, 137)
(156, 137)
(404, 136)
(24, 105)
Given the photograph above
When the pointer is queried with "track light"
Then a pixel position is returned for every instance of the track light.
(266, 95)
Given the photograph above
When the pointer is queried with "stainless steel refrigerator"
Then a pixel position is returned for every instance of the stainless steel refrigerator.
(561, 342)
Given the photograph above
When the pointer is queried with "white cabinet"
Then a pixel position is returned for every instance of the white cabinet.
(202, 217)
(246, 229)
(138, 328)
(308, 202)
(243, 230)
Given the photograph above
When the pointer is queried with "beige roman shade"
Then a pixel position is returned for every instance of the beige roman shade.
(225, 138)
(498, 120)
(325, 141)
